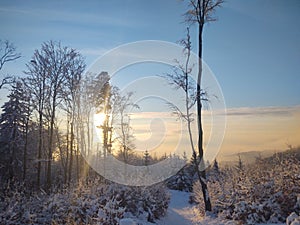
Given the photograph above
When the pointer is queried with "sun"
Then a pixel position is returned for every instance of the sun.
(99, 119)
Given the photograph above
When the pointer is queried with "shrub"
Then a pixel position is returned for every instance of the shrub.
(266, 191)
(92, 203)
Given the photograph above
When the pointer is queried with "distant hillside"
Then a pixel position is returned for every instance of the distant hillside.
(247, 157)
(250, 157)
(290, 153)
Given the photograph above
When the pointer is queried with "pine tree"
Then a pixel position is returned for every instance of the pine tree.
(240, 165)
(216, 167)
(13, 124)
(146, 158)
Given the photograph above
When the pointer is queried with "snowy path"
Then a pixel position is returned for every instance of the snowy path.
(180, 212)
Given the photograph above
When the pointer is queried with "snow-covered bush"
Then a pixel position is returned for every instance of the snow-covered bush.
(152, 201)
(92, 203)
(183, 180)
(111, 212)
(293, 219)
(267, 191)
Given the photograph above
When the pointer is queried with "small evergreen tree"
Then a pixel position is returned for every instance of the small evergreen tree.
(240, 165)
(216, 167)
(147, 158)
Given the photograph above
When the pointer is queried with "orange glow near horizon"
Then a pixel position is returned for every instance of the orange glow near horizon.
(258, 129)
(248, 129)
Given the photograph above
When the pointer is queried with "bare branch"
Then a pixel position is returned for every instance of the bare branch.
(176, 111)
(7, 53)
(7, 80)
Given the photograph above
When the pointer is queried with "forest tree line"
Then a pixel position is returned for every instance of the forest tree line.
(47, 124)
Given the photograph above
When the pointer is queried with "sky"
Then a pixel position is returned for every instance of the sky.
(253, 50)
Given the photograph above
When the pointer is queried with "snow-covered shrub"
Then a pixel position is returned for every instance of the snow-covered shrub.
(293, 219)
(111, 212)
(156, 201)
(183, 180)
(267, 191)
(150, 201)
(87, 203)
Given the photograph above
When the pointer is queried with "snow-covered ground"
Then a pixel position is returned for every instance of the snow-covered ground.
(180, 212)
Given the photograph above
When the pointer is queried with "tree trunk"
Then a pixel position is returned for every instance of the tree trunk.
(25, 150)
(77, 164)
(71, 153)
(202, 177)
(67, 154)
(79, 161)
(49, 181)
(40, 149)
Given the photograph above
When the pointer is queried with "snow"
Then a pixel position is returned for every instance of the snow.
(181, 212)
(127, 221)
(293, 219)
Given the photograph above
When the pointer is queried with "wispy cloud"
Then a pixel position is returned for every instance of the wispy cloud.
(263, 111)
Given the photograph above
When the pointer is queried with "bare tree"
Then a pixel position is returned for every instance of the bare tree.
(125, 138)
(180, 78)
(8, 53)
(36, 82)
(49, 69)
(201, 12)
(71, 96)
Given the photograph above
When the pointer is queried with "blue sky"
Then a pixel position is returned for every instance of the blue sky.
(253, 49)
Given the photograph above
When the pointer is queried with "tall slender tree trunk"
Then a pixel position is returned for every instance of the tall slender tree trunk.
(77, 164)
(71, 152)
(201, 165)
(49, 178)
(40, 145)
(88, 133)
(25, 150)
(67, 153)
(40, 149)
(79, 161)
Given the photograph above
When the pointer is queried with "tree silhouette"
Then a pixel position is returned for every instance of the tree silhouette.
(50, 69)
(201, 12)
